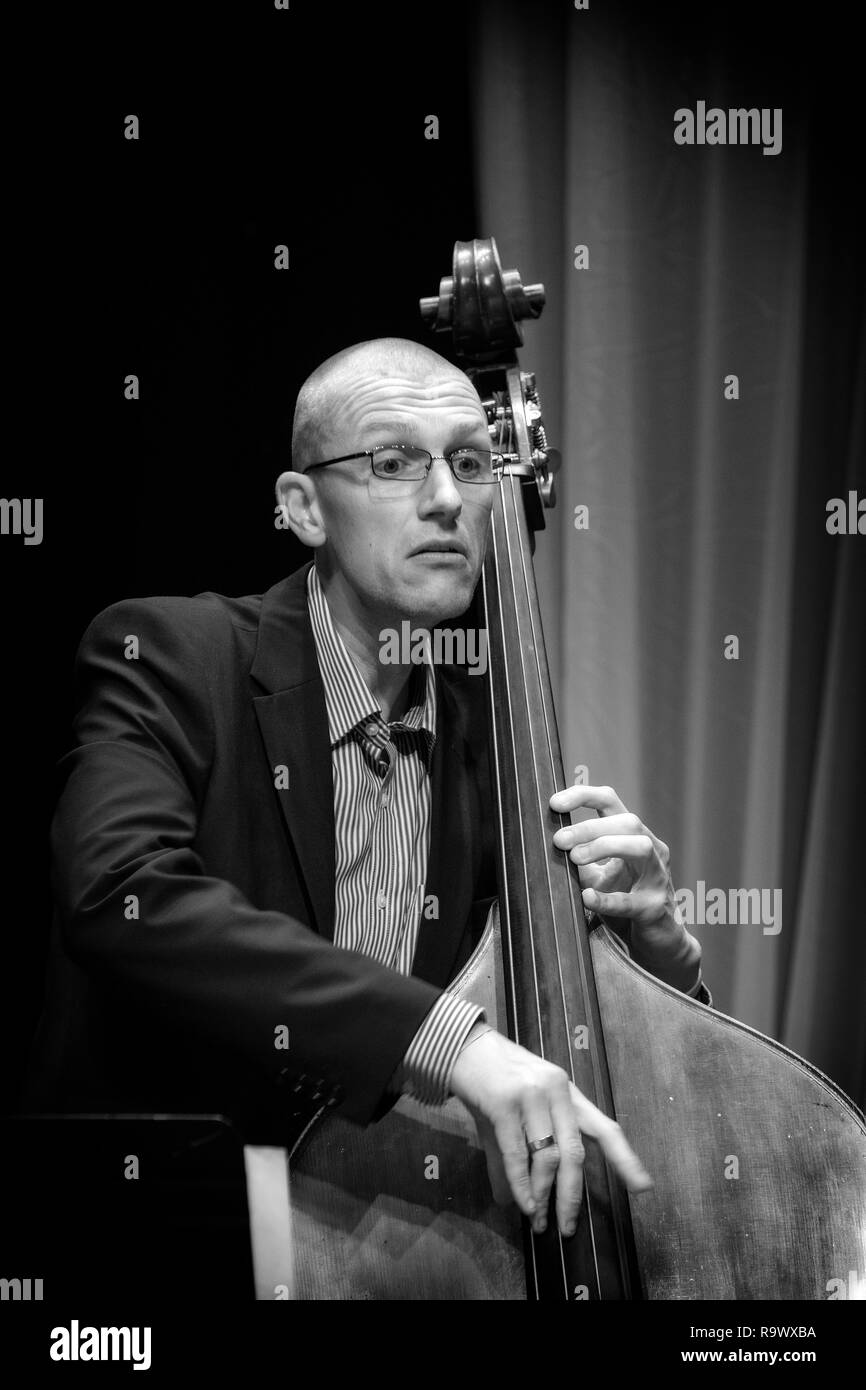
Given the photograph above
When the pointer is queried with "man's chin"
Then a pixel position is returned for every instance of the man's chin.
(441, 599)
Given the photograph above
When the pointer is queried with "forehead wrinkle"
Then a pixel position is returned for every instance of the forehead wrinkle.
(370, 411)
(366, 392)
(408, 428)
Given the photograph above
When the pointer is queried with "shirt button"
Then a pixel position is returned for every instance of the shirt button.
(371, 730)
(381, 900)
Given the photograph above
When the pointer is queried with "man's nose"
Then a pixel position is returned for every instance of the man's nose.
(440, 491)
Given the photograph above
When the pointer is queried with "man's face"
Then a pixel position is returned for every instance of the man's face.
(382, 537)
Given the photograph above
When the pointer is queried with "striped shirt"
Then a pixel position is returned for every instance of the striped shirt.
(382, 798)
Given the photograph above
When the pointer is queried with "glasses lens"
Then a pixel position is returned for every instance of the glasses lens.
(473, 466)
(401, 462)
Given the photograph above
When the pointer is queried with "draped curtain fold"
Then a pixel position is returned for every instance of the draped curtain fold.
(706, 515)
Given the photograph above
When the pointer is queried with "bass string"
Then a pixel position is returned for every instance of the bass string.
(577, 911)
(597, 1053)
(507, 924)
(516, 543)
(508, 509)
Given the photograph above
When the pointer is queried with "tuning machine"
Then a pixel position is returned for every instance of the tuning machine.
(546, 461)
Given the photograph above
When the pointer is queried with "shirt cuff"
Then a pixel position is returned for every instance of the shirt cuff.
(426, 1068)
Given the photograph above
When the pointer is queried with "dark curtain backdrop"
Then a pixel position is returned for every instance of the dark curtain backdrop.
(706, 517)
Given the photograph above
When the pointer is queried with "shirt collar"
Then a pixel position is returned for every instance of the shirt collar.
(348, 699)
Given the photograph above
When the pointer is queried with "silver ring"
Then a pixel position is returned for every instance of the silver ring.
(535, 1144)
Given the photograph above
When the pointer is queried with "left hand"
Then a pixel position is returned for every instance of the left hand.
(625, 874)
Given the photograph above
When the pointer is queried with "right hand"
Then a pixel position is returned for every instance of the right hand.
(514, 1096)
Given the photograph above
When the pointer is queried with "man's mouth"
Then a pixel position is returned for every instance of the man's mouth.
(441, 548)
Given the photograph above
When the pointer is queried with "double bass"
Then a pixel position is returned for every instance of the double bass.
(690, 1086)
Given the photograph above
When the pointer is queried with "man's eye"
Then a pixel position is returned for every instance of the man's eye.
(392, 463)
(466, 463)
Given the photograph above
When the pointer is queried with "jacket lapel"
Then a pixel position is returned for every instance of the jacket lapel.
(294, 726)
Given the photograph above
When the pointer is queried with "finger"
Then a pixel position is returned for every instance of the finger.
(637, 850)
(601, 877)
(645, 907)
(604, 800)
(538, 1124)
(593, 831)
(640, 905)
(615, 1147)
(569, 1179)
(609, 904)
(587, 830)
(512, 1146)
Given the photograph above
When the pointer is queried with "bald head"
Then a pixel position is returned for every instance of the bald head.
(324, 399)
(388, 548)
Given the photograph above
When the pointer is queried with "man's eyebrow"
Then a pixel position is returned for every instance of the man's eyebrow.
(388, 431)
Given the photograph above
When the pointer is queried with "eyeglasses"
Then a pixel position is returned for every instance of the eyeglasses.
(405, 463)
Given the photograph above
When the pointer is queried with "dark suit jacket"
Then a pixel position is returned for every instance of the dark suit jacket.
(195, 901)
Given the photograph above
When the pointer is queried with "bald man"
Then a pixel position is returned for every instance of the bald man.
(260, 809)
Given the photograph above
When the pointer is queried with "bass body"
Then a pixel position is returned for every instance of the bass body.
(404, 1210)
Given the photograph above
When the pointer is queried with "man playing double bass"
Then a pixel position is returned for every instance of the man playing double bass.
(258, 808)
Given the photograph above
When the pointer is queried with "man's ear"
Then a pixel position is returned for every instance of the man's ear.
(299, 508)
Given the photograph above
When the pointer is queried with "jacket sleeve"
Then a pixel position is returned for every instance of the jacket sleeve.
(140, 912)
